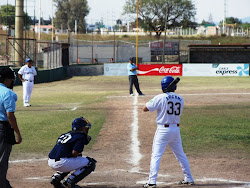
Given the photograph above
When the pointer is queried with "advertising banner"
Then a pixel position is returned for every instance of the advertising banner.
(215, 69)
(115, 69)
(159, 70)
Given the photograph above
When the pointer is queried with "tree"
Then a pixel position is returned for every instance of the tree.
(7, 16)
(232, 20)
(156, 14)
(70, 10)
(206, 22)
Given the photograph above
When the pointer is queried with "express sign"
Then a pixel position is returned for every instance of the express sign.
(160, 70)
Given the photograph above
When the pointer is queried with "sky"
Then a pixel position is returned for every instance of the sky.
(111, 10)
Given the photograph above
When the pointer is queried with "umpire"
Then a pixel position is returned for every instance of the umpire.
(132, 75)
(8, 122)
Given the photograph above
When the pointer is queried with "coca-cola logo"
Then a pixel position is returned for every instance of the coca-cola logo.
(173, 69)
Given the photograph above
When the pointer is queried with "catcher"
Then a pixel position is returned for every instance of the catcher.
(66, 156)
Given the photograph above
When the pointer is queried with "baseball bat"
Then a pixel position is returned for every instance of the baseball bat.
(172, 84)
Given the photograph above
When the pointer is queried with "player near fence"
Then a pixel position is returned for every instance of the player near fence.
(66, 156)
(8, 123)
(132, 75)
(169, 108)
(27, 75)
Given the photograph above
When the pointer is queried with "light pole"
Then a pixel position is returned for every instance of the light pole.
(52, 22)
(19, 33)
(137, 24)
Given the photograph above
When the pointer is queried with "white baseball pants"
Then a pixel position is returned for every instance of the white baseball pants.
(69, 164)
(27, 89)
(168, 136)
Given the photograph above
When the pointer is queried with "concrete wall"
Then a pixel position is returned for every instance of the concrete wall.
(85, 70)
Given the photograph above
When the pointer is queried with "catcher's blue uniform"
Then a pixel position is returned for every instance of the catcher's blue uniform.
(62, 160)
(73, 140)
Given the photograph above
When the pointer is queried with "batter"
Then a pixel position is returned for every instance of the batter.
(169, 108)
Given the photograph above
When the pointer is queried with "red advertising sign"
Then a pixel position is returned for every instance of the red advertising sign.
(160, 70)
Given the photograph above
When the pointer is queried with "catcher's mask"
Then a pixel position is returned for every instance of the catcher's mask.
(166, 81)
(80, 122)
(8, 73)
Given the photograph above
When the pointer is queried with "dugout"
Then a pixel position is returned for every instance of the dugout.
(236, 53)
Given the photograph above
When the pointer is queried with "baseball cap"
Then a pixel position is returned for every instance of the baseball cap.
(131, 59)
(28, 60)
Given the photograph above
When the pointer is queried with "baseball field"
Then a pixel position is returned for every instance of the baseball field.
(215, 131)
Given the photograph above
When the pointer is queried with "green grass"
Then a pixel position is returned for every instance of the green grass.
(217, 129)
(222, 130)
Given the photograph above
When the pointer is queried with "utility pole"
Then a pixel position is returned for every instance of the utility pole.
(225, 16)
(19, 33)
(52, 29)
(39, 26)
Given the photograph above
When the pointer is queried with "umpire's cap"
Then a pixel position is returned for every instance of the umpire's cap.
(131, 59)
(7, 72)
(28, 60)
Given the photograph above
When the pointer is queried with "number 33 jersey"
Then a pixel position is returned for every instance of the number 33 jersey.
(169, 107)
(66, 143)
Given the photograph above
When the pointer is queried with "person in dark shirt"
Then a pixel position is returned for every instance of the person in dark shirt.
(66, 156)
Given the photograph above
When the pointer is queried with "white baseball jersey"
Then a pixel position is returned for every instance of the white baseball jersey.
(169, 108)
(27, 73)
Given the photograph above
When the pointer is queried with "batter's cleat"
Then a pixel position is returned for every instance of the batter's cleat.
(56, 182)
(183, 182)
(131, 94)
(149, 185)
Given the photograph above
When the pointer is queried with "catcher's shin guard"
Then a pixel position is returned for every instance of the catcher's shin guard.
(56, 179)
(85, 170)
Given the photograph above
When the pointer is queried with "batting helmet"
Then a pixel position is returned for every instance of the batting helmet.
(165, 83)
(80, 122)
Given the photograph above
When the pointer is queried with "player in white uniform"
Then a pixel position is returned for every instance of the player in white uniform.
(169, 108)
(27, 75)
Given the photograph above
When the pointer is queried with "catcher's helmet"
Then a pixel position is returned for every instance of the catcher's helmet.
(165, 83)
(80, 122)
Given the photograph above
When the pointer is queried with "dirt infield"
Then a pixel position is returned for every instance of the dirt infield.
(124, 163)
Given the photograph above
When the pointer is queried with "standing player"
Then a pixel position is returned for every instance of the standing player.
(169, 108)
(66, 156)
(132, 76)
(27, 75)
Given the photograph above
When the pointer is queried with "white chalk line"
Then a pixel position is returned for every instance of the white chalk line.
(28, 160)
(242, 184)
(135, 143)
(183, 94)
